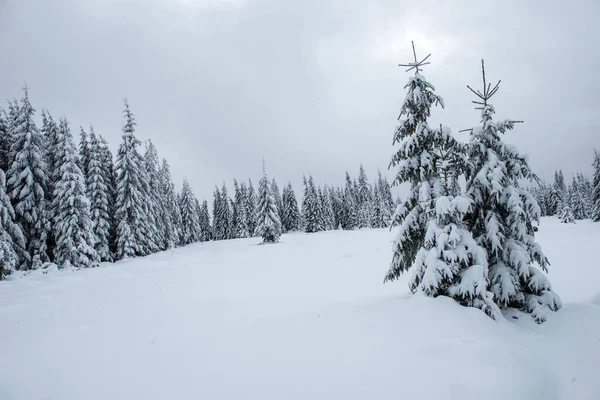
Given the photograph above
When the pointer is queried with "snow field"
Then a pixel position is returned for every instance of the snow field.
(306, 318)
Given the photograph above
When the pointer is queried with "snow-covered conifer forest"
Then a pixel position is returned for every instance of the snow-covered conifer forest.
(464, 276)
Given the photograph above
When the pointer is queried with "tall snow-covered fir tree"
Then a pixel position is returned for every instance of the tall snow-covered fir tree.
(111, 184)
(156, 203)
(27, 180)
(277, 197)
(8, 127)
(291, 213)
(337, 196)
(542, 193)
(51, 147)
(383, 203)
(311, 214)
(431, 235)
(364, 200)
(12, 242)
(227, 213)
(267, 216)
(451, 263)
(204, 220)
(5, 142)
(327, 219)
(502, 215)
(189, 215)
(240, 211)
(595, 211)
(377, 219)
(222, 214)
(218, 229)
(251, 207)
(198, 218)
(84, 152)
(172, 218)
(577, 199)
(98, 194)
(414, 161)
(132, 216)
(349, 206)
(559, 192)
(72, 223)
(566, 215)
(586, 189)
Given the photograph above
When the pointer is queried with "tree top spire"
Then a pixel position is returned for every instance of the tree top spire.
(485, 95)
(415, 64)
(488, 91)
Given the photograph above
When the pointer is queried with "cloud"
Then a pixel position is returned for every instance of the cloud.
(312, 86)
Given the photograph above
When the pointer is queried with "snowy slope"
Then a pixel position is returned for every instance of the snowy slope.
(308, 318)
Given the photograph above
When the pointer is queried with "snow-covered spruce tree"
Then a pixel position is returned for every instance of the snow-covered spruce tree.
(5, 142)
(218, 228)
(377, 218)
(156, 203)
(364, 200)
(10, 123)
(382, 212)
(97, 191)
(385, 202)
(326, 209)
(415, 165)
(595, 213)
(243, 207)
(51, 150)
(350, 212)
(172, 218)
(198, 219)
(51, 145)
(291, 213)
(542, 195)
(133, 220)
(234, 213)
(267, 216)
(277, 196)
(451, 263)
(205, 227)
(72, 223)
(559, 192)
(227, 214)
(111, 184)
(310, 207)
(585, 187)
(251, 207)
(232, 234)
(84, 152)
(576, 200)
(336, 196)
(189, 215)
(27, 180)
(566, 215)
(431, 236)
(240, 213)
(12, 242)
(502, 215)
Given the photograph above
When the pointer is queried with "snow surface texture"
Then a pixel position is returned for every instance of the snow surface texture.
(308, 318)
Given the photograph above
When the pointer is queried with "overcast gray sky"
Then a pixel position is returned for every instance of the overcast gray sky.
(312, 86)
